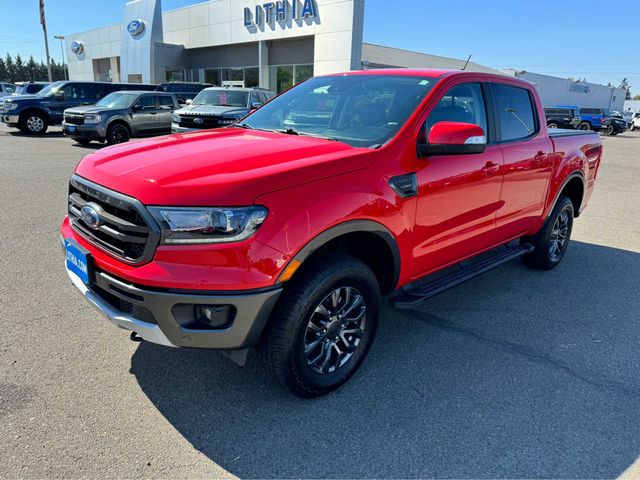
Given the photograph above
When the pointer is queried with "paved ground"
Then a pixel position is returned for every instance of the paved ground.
(515, 374)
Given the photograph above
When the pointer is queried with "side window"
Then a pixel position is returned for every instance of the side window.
(515, 112)
(463, 103)
(146, 102)
(166, 102)
(255, 98)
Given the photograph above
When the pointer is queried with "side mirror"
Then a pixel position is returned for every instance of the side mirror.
(137, 107)
(188, 101)
(59, 95)
(255, 105)
(453, 138)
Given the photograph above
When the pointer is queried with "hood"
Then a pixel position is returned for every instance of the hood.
(211, 110)
(224, 167)
(87, 109)
(18, 98)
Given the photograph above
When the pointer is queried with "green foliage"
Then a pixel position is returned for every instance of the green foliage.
(625, 84)
(17, 70)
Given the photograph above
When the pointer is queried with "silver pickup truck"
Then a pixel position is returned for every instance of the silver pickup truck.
(120, 116)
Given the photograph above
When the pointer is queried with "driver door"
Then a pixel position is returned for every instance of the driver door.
(458, 195)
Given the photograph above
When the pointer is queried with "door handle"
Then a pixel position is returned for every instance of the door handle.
(490, 169)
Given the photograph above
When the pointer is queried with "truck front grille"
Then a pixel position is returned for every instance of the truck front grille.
(126, 230)
(207, 122)
(74, 118)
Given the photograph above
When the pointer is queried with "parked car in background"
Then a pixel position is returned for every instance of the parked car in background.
(594, 118)
(29, 88)
(120, 116)
(626, 116)
(34, 113)
(219, 107)
(614, 125)
(7, 89)
(283, 233)
(183, 90)
(563, 117)
(635, 124)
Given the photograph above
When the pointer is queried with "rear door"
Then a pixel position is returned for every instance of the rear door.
(165, 104)
(144, 115)
(528, 160)
(458, 195)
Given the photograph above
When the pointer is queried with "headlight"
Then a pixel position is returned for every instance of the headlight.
(92, 118)
(227, 121)
(208, 225)
(175, 118)
(10, 106)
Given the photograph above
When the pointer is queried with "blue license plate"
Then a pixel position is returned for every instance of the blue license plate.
(77, 259)
(71, 128)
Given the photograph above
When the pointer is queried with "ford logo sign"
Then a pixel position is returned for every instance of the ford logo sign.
(77, 47)
(136, 27)
(90, 215)
(198, 121)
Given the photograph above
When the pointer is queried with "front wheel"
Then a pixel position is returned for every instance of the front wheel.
(553, 125)
(323, 326)
(552, 241)
(33, 123)
(609, 130)
(118, 133)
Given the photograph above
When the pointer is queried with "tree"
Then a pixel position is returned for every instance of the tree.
(4, 76)
(17, 70)
(625, 84)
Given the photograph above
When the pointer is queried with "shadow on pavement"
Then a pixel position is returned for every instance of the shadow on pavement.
(518, 373)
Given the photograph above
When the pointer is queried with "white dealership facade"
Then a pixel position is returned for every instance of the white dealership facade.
(271, 44)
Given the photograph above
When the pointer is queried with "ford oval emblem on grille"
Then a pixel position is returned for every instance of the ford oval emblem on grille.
(198, 121)
(90, 215)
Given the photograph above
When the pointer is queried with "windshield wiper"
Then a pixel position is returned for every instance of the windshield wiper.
(290, 131)
(244, 125)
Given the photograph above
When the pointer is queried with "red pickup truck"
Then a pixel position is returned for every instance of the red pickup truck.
(283, 233)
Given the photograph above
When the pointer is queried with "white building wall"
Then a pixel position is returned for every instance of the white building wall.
(99, 43)
(555, 91)
(633, 105)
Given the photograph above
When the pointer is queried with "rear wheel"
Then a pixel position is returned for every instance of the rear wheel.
(553, 125)
(118, 133)
(323, 326)
(552, 241)
(33, 123)
(585, 126)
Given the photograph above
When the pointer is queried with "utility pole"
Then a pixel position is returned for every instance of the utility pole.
(64, 63)
(46, 40)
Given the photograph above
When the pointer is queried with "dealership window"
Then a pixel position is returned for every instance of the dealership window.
(175, 76)
(248, 76)
(286, 76)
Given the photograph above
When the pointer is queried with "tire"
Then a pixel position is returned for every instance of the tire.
(552, 241)
(82, 141)
(305, 325)
(553, 125)
(585, 126)
(33, 123)
(609, 130)
(118, 133)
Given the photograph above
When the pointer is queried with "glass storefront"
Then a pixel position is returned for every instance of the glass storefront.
(247, 75)
(175, 76)
(286, 76)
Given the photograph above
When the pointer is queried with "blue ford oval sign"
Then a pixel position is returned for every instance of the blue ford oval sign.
(90, 215)
(77, 47)
(135, 27)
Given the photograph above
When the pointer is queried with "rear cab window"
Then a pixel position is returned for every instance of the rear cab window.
(516, 113)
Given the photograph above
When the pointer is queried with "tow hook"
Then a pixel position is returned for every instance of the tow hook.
(135, 337)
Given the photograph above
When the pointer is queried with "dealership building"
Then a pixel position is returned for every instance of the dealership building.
(237, 42)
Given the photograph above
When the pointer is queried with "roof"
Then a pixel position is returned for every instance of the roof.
(378, 56)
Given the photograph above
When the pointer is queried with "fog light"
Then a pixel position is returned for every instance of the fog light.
(216, 316)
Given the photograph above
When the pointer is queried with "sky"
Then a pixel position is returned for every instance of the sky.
(590, 39)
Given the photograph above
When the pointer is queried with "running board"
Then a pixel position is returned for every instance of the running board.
(410, 297)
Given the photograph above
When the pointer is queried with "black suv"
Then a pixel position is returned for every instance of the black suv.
(563, 117)
(33, 114)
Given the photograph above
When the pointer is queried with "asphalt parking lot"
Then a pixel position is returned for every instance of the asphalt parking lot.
(517, 373)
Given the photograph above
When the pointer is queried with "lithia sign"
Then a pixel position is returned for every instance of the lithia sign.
(281, 11)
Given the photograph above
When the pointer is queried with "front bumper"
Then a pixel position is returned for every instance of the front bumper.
(10, 120)
(88, 131)
(176, 128)
(159, 315)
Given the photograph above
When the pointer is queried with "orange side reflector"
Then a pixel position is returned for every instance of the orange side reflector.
(289, 271)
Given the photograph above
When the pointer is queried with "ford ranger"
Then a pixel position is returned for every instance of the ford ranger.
(284, 232)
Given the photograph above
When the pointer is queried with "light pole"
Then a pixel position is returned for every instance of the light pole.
(65, 67)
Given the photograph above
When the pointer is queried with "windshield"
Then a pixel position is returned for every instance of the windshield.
(359, 110)
(117, 100)
(222, 98)
(9, 88)
(50, 89)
